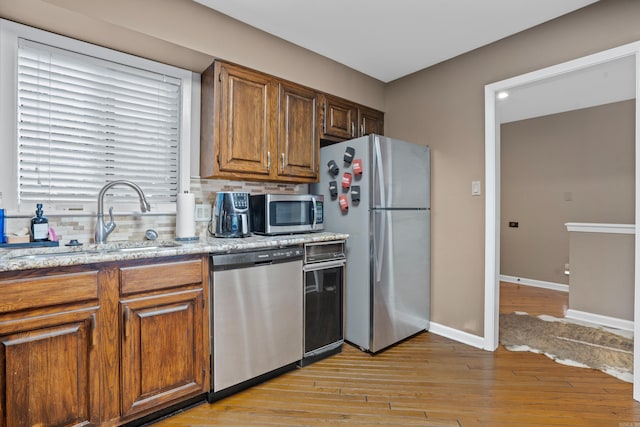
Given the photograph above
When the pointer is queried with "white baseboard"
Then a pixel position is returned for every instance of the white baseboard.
(536, 283)
(456, 335)
(598, 319)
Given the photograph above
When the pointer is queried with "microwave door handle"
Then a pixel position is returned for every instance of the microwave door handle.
(315, 211)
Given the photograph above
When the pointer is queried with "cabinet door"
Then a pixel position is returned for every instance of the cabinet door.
(298, 139)
(163, 356)
(370, 121)
(339, 121)
(48, 367)
(245, 116)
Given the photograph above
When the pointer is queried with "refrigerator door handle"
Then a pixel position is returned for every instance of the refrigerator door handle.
(379, 243)
(378, 161)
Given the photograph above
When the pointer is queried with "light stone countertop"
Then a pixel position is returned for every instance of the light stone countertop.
(25, 259)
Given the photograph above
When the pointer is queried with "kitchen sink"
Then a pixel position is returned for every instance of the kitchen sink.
(44, 255)
(92, 249)
(134, 246)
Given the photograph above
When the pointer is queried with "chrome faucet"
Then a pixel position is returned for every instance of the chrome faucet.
(103, 230)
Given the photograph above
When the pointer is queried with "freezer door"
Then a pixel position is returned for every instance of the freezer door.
(400, 174)
(356, 224)
(336, 153)
(400, 275)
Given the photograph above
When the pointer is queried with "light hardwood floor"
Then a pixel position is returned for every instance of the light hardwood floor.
(534, 301)
(429, 380)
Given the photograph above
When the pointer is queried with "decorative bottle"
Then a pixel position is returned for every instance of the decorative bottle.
(39, 226)
(2, 228)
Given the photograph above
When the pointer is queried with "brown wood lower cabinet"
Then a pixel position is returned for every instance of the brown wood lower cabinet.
(49, 350)
(48, 370)
(103, 344)
(162, 349)
(164, 334)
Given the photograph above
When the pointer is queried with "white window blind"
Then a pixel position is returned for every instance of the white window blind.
(83, 122)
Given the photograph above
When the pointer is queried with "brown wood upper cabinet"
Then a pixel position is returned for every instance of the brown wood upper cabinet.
(298, 141)
(257, 127)
(343, 119)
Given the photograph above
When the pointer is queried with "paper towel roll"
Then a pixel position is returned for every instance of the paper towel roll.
(185, 215)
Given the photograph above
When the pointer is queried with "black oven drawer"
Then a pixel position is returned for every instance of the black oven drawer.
(323, 308)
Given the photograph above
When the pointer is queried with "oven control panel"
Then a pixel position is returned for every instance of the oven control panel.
(324, 251)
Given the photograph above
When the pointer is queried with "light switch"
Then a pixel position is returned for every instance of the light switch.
(475, 188)
(203, 212)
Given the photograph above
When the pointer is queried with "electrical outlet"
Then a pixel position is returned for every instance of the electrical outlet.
(203, 212)
(513, 224)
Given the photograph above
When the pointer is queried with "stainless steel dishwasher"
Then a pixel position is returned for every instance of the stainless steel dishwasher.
(256, 318)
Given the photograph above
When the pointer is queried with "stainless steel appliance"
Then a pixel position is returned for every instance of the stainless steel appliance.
(287, 213)
(256, 317)
(231, 213)
(324, 270)
(386, 212)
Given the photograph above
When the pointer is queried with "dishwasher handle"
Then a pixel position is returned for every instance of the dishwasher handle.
(236, 266)
(230, 261)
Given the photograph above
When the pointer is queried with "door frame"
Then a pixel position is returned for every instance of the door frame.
(492, 197)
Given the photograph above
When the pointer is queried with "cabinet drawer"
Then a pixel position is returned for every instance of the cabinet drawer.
(21, 294)
(160, 276)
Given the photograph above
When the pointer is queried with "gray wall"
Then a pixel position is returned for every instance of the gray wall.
(571, 167)
(443, 106)
(602, 274)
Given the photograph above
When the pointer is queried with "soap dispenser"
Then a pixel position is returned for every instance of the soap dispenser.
(39, 226)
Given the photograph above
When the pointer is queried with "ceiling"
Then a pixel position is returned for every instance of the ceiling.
(600, 84)
(389, 39)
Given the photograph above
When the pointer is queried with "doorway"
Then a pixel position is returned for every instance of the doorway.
(551, 78)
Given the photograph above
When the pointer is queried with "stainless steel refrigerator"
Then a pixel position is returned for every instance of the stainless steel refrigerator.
(388, 251)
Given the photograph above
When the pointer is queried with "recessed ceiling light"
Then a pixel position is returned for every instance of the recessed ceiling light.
(503, 95)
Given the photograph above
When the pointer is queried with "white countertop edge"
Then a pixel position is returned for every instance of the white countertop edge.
(589, 227)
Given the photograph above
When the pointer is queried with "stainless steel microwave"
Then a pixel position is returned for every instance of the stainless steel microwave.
(286, 213)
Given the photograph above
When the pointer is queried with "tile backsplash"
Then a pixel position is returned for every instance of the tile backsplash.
(133, 227)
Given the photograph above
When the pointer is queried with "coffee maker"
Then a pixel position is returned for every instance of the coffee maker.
(232, 214)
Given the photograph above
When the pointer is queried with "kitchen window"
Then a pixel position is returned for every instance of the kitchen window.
(76, 116)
